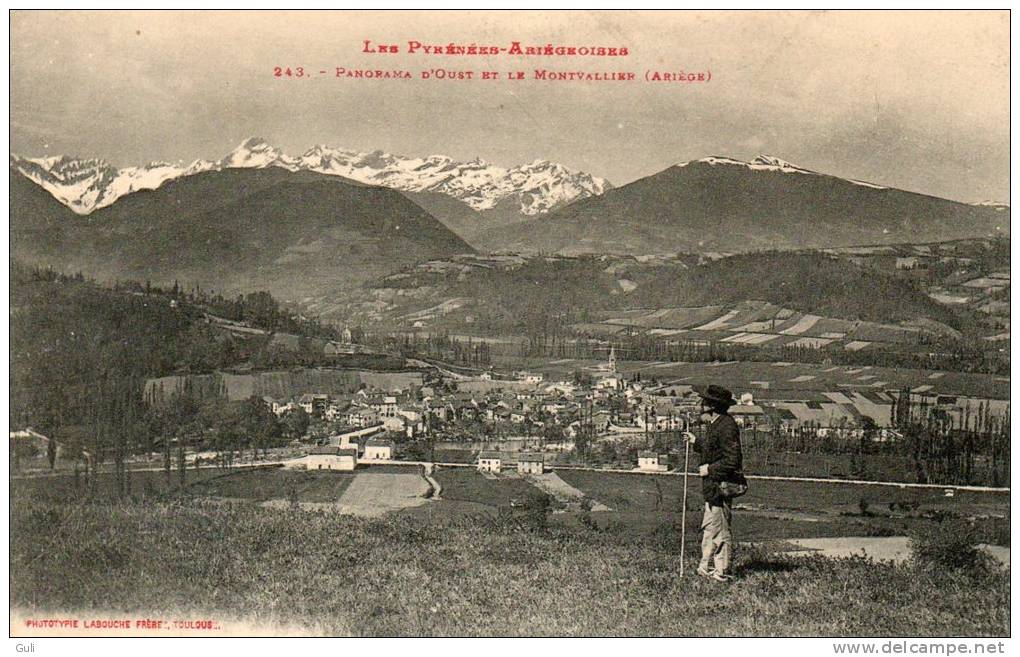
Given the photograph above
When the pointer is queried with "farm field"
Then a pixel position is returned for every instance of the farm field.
(784, 509)
(62, 487)
(640, 505)
(784, 379)
(877, 467)
(276, 484)
(468, 485)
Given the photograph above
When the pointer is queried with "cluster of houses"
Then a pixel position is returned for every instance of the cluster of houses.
(524, 406)
(398, 413)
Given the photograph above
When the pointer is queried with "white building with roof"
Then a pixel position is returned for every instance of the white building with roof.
(332, 458)
(490, 462)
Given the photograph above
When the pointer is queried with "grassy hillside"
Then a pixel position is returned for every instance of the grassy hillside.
(809, 282)
(329, 574)
(544, 290)
(703, 206)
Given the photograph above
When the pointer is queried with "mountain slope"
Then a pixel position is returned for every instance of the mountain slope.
(293, 233)
(724, 204)
(455, 214)
(505, 293)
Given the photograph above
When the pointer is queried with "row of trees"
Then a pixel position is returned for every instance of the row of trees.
(466, 351)
(936, 445)
(950, 448)
(955, 356)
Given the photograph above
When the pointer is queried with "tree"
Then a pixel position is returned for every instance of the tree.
(607, 452)
(295, 424)
(582, 378)
(51, 452)
(258, 424)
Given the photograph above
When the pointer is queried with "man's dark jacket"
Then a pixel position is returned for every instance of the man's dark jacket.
(720, 450)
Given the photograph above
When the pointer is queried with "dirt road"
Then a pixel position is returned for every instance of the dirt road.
(374, 494)
(551, 483)
(879, 548)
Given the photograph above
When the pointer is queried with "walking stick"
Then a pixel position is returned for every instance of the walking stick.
(683, 513)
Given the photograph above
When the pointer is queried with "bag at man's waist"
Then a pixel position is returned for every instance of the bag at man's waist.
(736, 487)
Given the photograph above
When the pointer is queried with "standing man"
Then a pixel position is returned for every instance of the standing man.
(721, 461)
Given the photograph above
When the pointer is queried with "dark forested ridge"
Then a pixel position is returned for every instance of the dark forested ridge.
(292, 233)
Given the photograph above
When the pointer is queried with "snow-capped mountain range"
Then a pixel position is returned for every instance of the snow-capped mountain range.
(87, 184)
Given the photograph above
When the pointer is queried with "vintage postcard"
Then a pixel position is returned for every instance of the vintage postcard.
(511, 323)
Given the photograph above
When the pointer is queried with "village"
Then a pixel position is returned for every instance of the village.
(524, 420)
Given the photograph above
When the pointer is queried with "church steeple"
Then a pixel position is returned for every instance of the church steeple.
(612, 359)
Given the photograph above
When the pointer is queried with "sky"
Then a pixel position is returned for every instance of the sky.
(915, 100)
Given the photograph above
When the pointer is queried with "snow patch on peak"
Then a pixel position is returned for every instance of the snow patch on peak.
(253, 152)
(773, 161)
(770, 163)
(760, 163)
(714, 160)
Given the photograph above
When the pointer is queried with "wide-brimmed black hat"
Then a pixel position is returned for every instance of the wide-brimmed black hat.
(716, 395)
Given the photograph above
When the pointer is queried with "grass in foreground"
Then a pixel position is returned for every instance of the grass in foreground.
(471, 576)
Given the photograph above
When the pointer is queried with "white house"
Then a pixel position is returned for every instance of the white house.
(361, 417)
(489, 462)
(332, 458)
(395, 424)
(279, 406)
(530, 464)
(384, 405)
(610, 382)
(748, 414)
(529, 377)
(377, 449)
(652, 462)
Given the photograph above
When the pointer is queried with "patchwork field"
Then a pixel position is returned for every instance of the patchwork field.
(783, 379)
(758, 322)
(630, 506)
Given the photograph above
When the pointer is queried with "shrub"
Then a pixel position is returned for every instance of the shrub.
(880, 530)
(947, 546)
(537, 506)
